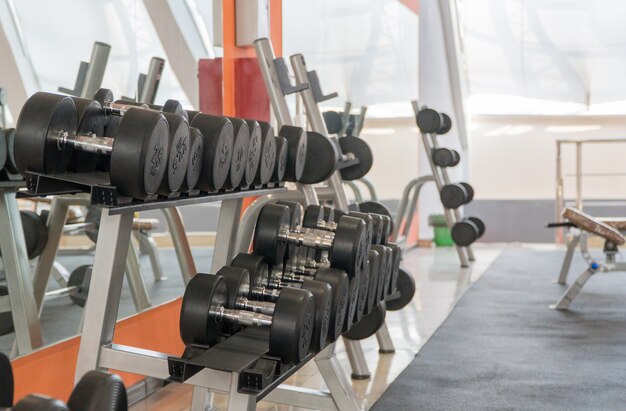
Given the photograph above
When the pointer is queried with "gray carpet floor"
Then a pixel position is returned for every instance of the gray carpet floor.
(501, 348)
(61, 318)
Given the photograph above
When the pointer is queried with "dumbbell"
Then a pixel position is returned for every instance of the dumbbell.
(10, 167)
(265, 280)
(468, 230)
(432, 121)
(206, 306)
(322, 158)
(347, 246)
(445, 157)
(258, 148)
(296, 139)
(355, 148)
(217, 134)
(240, 158)
(455, 195)
(35, 232)
(46, 137)
(179, 134)
(267, 155)
(373, 207)
(261, 291)
(333, 120)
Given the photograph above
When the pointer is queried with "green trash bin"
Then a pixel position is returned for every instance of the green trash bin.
(443, 238)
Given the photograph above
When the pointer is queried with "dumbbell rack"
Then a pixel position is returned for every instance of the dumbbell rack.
(440, 177)
(20, 300)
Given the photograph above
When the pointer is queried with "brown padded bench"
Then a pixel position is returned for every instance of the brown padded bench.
(618, 223)
(593, 225)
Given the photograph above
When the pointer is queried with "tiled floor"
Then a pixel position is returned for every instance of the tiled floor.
(440, 282)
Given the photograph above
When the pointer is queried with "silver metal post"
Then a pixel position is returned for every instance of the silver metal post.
(572, 243)
(95, 71)
(135, 279)
(238, 401)
(148, 246)
(227, 226)
(181, 243)
(17, 269)
(573, 290)
(107, 278)
(370, 187)
(151, 81)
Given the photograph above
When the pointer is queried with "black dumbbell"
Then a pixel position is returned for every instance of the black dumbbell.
(6, 319)
(262, 276)
(445, 157)
(46, 137)
(255, 153)
(265, 290)
(196, 158)
(455, 195)
(468, 230)
(333, 121)
(179, 140)
(369, 324)
(10, 167)
(35, 231)
(355, 149)
(432, 121)
(322, 158)
(267, 155)
(217, 132)
(406, 291)
(205, 307)
(240, 158)
(374, 207)
(80, 278)
(296, 139)
(347, 246)
(385, 273)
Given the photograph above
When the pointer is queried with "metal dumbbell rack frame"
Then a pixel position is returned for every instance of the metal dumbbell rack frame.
(20, 300)
(214, 370)
(407, 207)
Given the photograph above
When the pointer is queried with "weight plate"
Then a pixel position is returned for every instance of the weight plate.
(382, 271)
(470, 192)
(453, 195)
(372, 291)
(388, 271)
(239, 160)
(282, 158)
(267, 161)
(204, 293)
(81, 278)
(255, 265)
(6, 319)
(479, 224)
(296, 152)
(446, 124)
(43, 118)
(237, 284)
(219, 139)
(368, 324)
(378, 208)
(369, 225)
(139, 158)
(178, 159)
(292, 325)
(254, 152)
(377, 228)
(174, 107)
(464, 232)
(456, 158)
(35, 233)
(322, 295)
(396, 259)
(406, 287)
(6, 382)
(90, 122)
(10, 163)
(295, 213)
(429, 120)
(353, 302)
(312, 216)
(272, 219)
(443, 157)
(322, 158)
(349, 245)
(340, 284)
(191, 114)
(363, 293)
(3, 149)
(40, 403)
(194, 165)
(362, 152)
(99, 391)
(333, 121)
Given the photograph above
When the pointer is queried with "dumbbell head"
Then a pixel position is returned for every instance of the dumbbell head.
(470, 192)
(350, 246)
(99, 390)
(406, 289)
(254, 152)
(445, 157)
(255, 265)
(353, 301)
(10, 165)
(80, 278)
(178, 159)
(446, 124)
(40, 403)
(361, 151)
(219, 139)
(273, 220)
(429, 120)
(339, 282)
(479, 224)
(322, 158)
(282, 159)
(396, 259)
(373, 259)
(239, 159)
(363, 293)
(194, 166)
(295, 213)
(464, 232)
(267, 157)
(322, 294)
(453, 195)
(369, 324)
(333, 121)
(296, 151)
(384, 267)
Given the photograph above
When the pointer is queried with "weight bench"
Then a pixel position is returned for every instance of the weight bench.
(604, 227)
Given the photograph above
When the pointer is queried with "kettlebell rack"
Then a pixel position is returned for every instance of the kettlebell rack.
(407, 207)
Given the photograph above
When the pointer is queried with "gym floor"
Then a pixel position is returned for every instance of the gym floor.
(440, 282)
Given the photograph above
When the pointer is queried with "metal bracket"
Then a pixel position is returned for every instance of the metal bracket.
(283, 78)
(316, 88)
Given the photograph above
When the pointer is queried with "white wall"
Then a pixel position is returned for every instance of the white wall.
(513, 157)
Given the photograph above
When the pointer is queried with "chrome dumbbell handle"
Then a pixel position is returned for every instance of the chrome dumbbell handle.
(241, 317)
